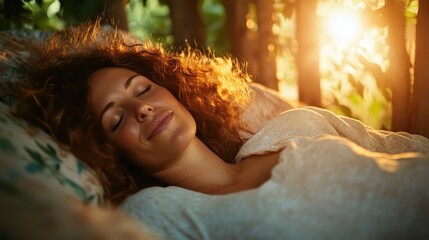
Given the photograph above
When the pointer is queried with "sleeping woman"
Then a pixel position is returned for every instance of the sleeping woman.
(142, 116)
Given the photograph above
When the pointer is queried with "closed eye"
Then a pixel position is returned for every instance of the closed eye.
(118, 123)
(147, 89)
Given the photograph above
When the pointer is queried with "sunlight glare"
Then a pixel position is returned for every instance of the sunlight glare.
(369, 46)
(343, 26)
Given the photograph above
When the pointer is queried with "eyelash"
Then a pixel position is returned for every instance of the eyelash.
(116, 126)
(147, 89)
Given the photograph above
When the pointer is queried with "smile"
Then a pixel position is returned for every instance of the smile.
(159, 124)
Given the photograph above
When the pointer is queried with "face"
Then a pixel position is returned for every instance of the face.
(140, 118)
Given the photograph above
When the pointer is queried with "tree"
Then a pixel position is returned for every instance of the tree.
(115, 10)
(265, 54)
(187, 24)
(236, 12)
(398, 73)
(257, 48)
(308, 53)
(420, 98)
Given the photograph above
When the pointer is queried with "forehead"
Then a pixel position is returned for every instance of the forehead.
(109, 75)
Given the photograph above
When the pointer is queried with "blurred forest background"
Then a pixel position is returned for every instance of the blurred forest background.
(359, 58)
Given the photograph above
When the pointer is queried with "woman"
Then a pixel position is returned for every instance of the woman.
(72, 66)
(157, 134)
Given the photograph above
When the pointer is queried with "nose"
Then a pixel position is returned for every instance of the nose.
(142, 110)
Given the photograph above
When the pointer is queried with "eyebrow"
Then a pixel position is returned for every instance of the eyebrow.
(110, 104)
(129, 80)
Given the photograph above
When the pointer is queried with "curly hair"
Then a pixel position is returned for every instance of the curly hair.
(54, 96)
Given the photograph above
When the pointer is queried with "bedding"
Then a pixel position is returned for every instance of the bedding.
(15, 48)
(336, 179)
(28, 153)
(264, 105)
(38, 211)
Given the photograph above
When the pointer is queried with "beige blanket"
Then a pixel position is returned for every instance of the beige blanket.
(310, 122)
(336, 179)
(340, 177)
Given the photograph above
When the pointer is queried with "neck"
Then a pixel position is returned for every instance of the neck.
(200, 169)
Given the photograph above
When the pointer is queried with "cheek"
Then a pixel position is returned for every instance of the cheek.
(126, 138)
(140, 154)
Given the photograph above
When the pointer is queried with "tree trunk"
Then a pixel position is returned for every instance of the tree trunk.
(187, 24)
(236, 12)
(266, 56)
(398, 73)
(115, 10)
(420, 99)
(308, 53)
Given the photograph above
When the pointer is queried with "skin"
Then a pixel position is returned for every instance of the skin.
(158, 134)
(128, 104)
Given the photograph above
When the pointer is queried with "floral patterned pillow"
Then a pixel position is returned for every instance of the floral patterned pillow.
(28, 153)
(15, 48)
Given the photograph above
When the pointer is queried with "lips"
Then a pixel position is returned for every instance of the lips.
(159, 124)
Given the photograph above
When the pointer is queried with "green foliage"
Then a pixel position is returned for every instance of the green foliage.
(28, 14)
(411, 10)
(45, 16)
(214, 16)
(149, 20)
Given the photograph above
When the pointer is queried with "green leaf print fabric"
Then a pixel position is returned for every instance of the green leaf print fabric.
(28, 153)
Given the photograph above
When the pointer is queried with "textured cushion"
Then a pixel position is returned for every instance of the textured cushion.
(14, 48)
(37, 211)
(27, 152)
(265, 104)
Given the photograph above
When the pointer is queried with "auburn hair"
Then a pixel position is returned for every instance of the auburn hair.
(54, 95)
